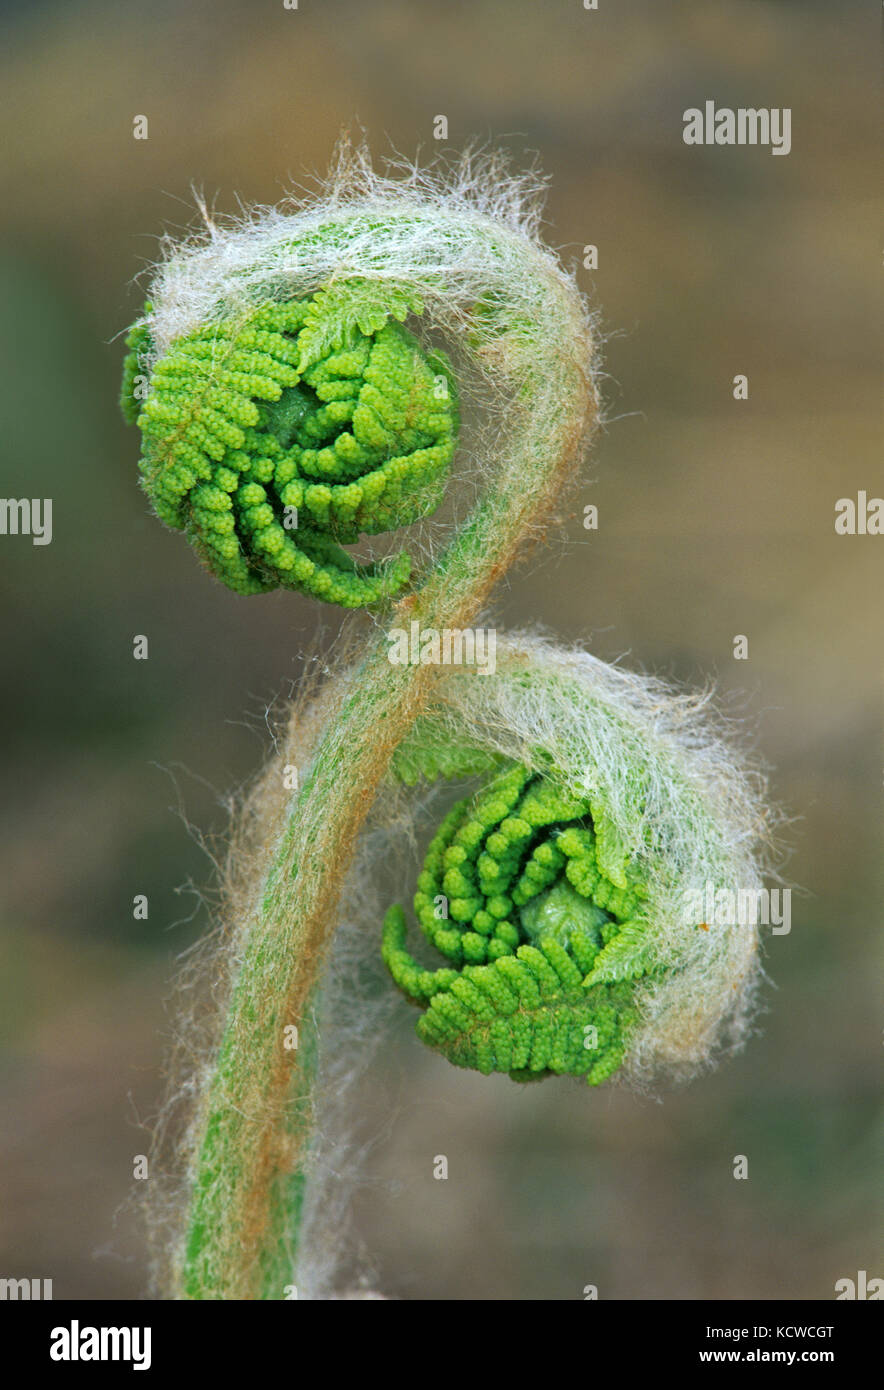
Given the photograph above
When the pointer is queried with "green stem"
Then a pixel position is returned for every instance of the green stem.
(254, 1121)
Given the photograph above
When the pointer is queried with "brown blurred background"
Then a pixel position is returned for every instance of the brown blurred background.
(716, 519)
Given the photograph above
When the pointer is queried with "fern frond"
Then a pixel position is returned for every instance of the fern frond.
(515, 894)
(274, 439)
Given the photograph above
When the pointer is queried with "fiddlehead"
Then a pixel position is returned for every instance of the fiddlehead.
(563, 892)
(272, 439)
(543, 926)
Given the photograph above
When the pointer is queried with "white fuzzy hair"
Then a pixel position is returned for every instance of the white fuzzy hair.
(680, 795)
(683, 796)
(461, 235)
(348, 228)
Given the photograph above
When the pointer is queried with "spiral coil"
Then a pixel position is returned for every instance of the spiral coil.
(543, 928)
(272, 439)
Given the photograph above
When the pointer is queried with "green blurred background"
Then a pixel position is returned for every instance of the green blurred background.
(716, 518)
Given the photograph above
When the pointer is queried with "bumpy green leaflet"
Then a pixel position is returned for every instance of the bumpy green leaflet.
(542, 923)
(276, 438)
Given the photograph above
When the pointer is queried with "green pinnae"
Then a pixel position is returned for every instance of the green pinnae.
(275, 439)
(544, 946)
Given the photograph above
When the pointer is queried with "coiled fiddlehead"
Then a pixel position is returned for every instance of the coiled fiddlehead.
(563, 892)
(543, 925)
(272, 438)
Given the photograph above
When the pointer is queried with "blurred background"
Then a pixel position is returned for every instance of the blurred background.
(715, 519)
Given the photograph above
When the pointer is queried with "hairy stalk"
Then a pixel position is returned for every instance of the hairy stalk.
(529, 338)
